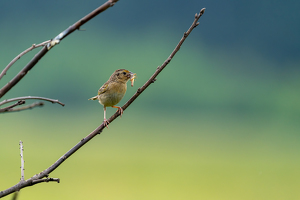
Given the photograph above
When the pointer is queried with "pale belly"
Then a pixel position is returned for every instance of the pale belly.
(111, 99)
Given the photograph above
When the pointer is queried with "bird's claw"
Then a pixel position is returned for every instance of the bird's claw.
(105, 123)
(120, 110)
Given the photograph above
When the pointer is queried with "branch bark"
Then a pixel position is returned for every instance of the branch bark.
(99, 129)
(55, 41)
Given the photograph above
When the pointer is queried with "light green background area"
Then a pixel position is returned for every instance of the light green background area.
(220, 122)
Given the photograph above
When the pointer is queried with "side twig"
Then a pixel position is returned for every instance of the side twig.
(21, 101)
(30, 106)
(9, 108)
(99, 129)
(20, 55)
(53, 42)
(15, 196)
(22, 161)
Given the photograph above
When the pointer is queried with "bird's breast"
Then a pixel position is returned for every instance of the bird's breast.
(114, 95)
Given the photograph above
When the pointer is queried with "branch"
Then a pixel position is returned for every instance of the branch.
(9, 108)
(30, 106)
(20, 55)
(99, 129)
(55, 41)
(160, 68)
(30, 97)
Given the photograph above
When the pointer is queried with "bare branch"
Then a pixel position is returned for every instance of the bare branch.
(55, 41)
(31, 97)
(30, 106)
(20, 55)
(99, 129)
(9, 108)
(160, 68)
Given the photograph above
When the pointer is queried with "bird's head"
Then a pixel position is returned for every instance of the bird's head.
(122, 75)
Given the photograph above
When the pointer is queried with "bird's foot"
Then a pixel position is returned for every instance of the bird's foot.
(105, 122)
(120, 110)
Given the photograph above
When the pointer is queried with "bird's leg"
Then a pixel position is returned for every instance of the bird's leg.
(119, 109)
(105, 122)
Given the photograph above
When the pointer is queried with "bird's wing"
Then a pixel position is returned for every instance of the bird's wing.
(103, 88)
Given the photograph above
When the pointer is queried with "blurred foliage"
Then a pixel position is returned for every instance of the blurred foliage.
(220, 122)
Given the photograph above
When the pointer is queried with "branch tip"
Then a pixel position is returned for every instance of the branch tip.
(112, 2)
(202, 11)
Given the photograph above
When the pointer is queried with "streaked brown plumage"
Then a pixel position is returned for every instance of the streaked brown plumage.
(112, 92)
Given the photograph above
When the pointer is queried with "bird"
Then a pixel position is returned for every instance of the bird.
(112, 92)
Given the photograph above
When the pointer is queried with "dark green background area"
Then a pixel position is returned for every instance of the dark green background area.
(220, 122)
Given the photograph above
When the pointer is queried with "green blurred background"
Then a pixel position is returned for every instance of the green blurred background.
(220, 122)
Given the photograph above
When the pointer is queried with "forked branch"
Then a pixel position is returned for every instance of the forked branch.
(11, 107)
(53, 42)
(26, 107)
(35, 179)
(20, 55)
(21, 100)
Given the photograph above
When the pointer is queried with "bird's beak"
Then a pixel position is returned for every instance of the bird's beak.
(132, 77)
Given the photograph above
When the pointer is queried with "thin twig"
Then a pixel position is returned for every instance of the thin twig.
(9, 108)
(45, 180)
(99, 129)
(22, 179)
(55, 41)
(20, 55)
(31, 97)
(22, 161)
(30, 106)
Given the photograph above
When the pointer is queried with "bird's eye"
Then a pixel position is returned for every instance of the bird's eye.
(124, 73)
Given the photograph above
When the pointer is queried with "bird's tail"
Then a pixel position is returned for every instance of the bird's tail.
(94, 98)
